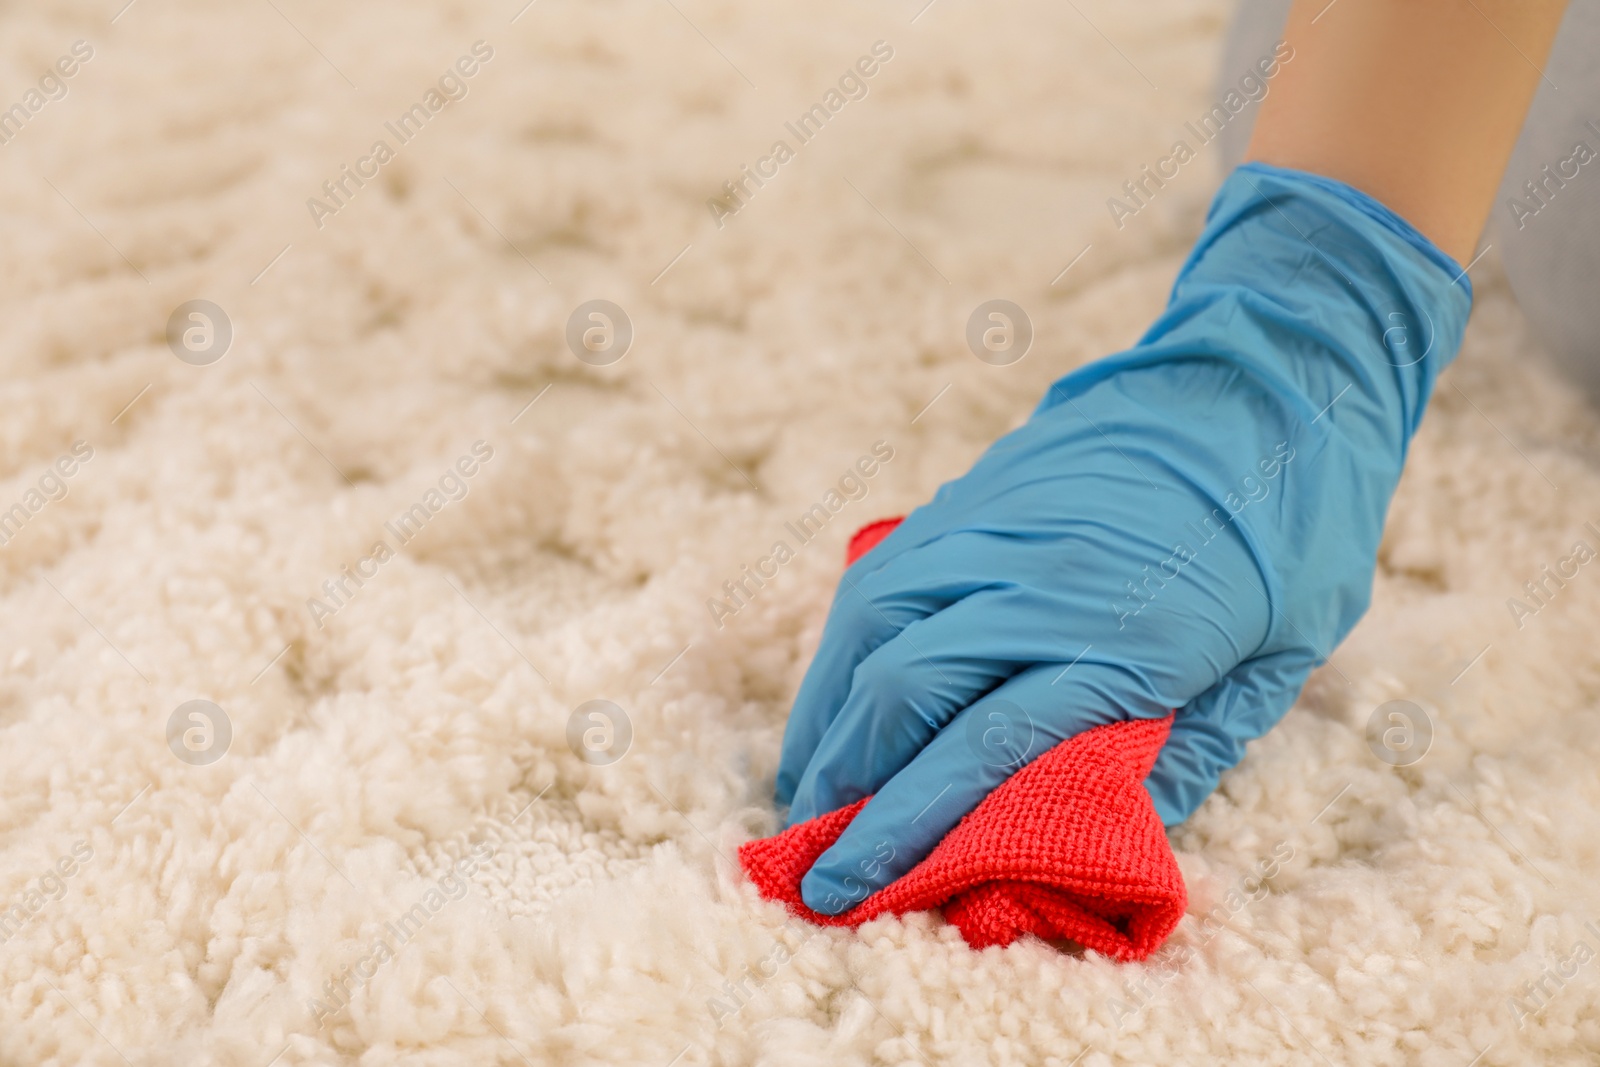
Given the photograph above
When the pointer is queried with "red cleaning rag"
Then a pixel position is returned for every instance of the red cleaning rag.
(1070, 847)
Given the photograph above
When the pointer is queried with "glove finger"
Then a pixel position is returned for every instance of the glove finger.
(870, 609)
(1210, 732)
(857, 625)
(980, 748)
(901, 696)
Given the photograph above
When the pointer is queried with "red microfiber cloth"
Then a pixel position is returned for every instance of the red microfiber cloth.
(1070, 847)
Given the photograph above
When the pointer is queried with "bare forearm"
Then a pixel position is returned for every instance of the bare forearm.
(1415, 102)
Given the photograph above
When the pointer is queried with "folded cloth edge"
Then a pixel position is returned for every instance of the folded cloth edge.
(1148, 884)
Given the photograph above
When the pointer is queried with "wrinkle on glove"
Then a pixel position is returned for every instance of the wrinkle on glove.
(1070, 847)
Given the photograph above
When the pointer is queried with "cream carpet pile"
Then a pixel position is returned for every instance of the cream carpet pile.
(301, 632)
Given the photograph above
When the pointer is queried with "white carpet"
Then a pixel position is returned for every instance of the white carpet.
(593, 916)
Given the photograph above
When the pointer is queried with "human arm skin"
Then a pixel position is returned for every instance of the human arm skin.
(1417, 103)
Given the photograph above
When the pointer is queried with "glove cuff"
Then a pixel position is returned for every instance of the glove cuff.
(1262, 178)
(1308, 285)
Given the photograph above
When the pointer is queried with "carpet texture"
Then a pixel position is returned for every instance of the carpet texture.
(408, 834)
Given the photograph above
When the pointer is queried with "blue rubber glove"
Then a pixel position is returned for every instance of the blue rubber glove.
(1191, 524)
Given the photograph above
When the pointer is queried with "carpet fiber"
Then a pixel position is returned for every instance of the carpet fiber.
(400, 539)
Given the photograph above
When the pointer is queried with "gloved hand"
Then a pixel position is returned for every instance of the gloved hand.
(1189, 524)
